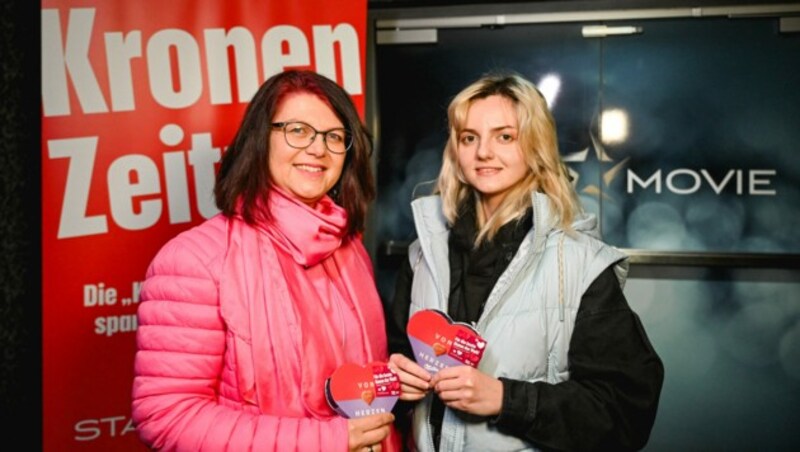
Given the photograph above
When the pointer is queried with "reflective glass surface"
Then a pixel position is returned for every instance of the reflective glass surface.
(681, 138)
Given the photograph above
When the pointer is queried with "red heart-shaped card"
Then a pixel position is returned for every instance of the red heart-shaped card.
(355, 391)
(438, 342)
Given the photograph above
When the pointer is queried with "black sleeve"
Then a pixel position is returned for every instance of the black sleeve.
(611, 398)
(397, 313)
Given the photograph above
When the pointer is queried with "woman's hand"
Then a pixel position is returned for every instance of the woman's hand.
(414, 380)
(366, 433)
(468, 389)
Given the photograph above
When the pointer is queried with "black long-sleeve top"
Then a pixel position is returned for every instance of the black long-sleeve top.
(611, 398)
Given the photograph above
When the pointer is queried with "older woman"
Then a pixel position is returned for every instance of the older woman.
(245, 316)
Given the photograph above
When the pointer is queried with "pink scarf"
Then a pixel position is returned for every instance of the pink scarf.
(277, 317)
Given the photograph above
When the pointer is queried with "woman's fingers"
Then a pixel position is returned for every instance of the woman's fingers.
(468, 389)
(369, 431)
(398, 361)
(414, 379)
(411, 394)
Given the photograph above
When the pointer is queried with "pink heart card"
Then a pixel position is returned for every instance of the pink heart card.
(439, 342)
(355, 391)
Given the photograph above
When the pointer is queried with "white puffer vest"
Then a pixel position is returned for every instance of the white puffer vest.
(529, 315)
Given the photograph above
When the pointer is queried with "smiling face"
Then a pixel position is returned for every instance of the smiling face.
(307, 174)
(489, 153)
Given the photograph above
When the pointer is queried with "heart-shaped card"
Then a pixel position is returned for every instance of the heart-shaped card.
(438, 342)
(355, 391)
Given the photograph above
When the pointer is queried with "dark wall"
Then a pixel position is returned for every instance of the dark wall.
(20, 293)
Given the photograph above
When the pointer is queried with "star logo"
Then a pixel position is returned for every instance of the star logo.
(614, 126)
(590, 164)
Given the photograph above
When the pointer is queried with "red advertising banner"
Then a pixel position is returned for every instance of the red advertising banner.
(139, 100)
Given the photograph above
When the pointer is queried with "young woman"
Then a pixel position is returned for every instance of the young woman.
(504, 245)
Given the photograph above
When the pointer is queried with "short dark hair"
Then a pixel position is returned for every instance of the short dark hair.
(243, 180)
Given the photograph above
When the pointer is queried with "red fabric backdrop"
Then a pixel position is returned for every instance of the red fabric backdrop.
(139, 100)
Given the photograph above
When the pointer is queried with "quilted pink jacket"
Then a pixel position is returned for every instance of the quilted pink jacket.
(192, 400)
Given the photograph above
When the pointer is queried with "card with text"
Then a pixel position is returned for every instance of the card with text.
(355, 391)
(438, 342)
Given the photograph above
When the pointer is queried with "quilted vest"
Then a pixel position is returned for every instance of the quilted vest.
(528, 318)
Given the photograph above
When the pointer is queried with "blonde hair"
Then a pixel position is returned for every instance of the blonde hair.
(539, 145)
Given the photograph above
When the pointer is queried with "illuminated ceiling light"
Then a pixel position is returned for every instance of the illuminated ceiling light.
(550, 86)
(614, 126)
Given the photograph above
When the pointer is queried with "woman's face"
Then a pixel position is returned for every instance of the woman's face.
(307, 174)
(489, 154)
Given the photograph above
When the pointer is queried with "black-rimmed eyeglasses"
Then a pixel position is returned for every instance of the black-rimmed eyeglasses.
(300, 135)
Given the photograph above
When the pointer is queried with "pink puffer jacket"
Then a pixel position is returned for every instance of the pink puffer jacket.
(186, 393)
